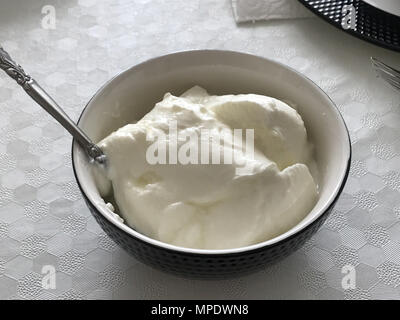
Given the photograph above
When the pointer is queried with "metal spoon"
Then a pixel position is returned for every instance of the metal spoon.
(32, 88)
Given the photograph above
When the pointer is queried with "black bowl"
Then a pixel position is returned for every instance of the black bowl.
(134, 92)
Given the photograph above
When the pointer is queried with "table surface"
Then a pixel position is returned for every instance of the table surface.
(43, 218)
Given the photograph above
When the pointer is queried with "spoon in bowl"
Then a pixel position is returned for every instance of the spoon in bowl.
(42, 98)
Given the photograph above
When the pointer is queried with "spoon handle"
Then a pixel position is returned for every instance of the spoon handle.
(32, 88)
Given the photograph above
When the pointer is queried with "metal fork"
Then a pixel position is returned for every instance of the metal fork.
(387, 73)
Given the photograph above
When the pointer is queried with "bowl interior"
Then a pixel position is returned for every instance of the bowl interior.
(130, 95)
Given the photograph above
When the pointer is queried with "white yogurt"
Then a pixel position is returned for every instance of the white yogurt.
(213, 206)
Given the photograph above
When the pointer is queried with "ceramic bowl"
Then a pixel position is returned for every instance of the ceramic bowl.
(130, 95)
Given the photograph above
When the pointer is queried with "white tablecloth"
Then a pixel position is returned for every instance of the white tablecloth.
(255, 10)
(44, 221)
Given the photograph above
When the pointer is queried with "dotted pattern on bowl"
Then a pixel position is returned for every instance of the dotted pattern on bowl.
(371, 24)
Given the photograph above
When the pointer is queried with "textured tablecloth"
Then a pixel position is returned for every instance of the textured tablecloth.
(254, 10)
(44, 221)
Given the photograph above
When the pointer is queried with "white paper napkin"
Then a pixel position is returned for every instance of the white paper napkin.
(253, 10)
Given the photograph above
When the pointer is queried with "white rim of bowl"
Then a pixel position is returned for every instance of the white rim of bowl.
(290, 233)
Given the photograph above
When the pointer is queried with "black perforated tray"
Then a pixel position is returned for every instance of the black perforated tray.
(372, 24)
